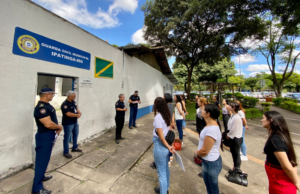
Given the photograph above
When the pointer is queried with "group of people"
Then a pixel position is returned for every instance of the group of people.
(48, 129)
(281, 163)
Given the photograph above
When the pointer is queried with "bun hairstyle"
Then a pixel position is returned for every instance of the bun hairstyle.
(235, 106)
(278, 126)
(168, 97)
(214, 113)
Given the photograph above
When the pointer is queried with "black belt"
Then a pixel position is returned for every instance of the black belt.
(273, 166)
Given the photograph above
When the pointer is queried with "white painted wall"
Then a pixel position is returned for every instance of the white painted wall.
(18, 80)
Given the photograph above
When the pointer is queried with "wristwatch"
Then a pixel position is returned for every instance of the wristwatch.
(196, 156)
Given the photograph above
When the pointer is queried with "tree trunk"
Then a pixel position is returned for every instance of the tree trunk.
(190, 71)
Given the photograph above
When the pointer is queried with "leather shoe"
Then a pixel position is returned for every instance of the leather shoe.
(117, 141)
(157, 190)
(77, 150)
(130, 127)
(122, 138)
(200, 175)
(67, 155)
(43, 191)
(135, 126)
(47, 178)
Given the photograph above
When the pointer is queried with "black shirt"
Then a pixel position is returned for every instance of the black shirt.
(200, 121)
(275, 144)
(134, 98)
(217, 104)
(43, 110)
(121, 105)
(196, 106)
(66, 107)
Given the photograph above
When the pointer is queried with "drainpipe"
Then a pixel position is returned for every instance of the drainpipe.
(123, 70)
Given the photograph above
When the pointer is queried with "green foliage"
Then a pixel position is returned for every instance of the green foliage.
(278, 101)
(188, 101)
(117, 46)
(239, 96)
(190, 108)
(253, 113)
(193, 95)
(251, 82)
(227, 95)
(266, 106)
(287, 103)
(249, 102)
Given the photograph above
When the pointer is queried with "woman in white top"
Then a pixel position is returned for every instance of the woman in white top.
(183, 101)
(235, 133)
(208, 148)
(225, 113)
(162, 122)
(179, 115)
(244, 121)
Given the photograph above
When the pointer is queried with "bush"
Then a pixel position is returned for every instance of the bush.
(266, 106)
(227, 95)
(253, 113)
(287, 103)
(239, 96)
(193, 95)
(188, 101)
(278, 101)
(249, 102)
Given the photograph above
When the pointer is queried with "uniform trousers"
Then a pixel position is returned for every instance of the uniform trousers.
(43, 149)
(119, 126)
(133, 113)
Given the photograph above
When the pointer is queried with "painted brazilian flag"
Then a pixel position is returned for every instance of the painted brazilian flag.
(104, 68)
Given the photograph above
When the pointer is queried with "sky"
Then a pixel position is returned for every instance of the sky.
(121, 22)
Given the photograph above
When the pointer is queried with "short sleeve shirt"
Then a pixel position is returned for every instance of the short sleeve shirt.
(134, 98)
(242, 114)
(121, 105)
(171, 109)
(66, 107)
(215, 133)
(275, 144)
(217, 103)
(43, 110)
(159, 122)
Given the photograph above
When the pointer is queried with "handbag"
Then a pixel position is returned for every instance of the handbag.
(237, 176)
(225, 141)
(177, 144)
(170, 137)
(198, 161)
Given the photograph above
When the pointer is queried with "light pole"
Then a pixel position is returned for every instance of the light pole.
(240, 73)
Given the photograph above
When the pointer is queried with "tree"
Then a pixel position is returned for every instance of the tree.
(115, 45)
(201, 30)
(238, 80)
(279, 47)
(293, 82)
(251, 82)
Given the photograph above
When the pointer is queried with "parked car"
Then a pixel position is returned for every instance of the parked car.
(294, 96)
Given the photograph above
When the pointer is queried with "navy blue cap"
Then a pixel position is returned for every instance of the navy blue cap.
(46, 90)
(136, 91)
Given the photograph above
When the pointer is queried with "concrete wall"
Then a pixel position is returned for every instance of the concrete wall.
(18, 78)
(149, 59)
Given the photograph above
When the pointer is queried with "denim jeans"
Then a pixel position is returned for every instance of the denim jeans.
(69, 130)
(243, 146)
(179, 128)
(210, 172)
(161, 158)
(132, 117)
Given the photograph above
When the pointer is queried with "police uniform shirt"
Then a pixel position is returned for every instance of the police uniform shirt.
(121, 105)
(43, 110)
(134, 98)
(66, 107)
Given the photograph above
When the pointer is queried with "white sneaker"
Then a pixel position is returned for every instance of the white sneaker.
(244, 158)
(171, 159)
(169, 164)
(181, 143)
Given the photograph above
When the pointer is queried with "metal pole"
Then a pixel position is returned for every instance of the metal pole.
(240, 74)
(123, 70)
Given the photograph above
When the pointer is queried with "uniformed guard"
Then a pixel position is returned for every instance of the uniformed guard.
(69, 121)
(120, 117)
(46, 121)
(134, 100)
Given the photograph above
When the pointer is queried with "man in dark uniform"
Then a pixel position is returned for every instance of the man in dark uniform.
(120, 117)
(69, 121)
(46, 121)
(134, 100)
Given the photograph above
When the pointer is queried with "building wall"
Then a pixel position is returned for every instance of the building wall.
(18, 78)
(149, 59)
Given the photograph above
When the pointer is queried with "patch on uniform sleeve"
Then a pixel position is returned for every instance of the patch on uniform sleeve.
(43, 111)
(42, 105)
(65, 107)
(116, 103)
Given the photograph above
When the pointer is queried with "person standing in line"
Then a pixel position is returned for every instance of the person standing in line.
(226, 114)
(216, 102)
(183, 101)
(162, 122)
(208, 148)
(120, 117)
(243, 146)
(235, 133)
(169, 100)
(134, 100)
(47, 124)
(179, 116)
(70, 113)
(200, 120)
(196, 107)
(281, 163)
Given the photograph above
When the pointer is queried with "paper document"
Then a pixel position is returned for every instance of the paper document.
(56, 135)
(178, 160)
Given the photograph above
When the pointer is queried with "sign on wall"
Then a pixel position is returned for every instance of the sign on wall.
(29, 44)
(86, 82)
(104, 68)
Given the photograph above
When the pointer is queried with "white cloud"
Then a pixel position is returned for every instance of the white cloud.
(258, 68)
(76, 12)
(251, 43)
(138, 37)
(243, 59)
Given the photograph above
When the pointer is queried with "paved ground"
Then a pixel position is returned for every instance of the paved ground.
(106, 167)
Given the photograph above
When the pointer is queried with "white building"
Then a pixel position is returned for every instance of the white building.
(39, 48)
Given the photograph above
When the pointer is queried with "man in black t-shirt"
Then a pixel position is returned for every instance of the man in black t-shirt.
(70, 113)
(134, 100)
(47, 124)
(120, 117)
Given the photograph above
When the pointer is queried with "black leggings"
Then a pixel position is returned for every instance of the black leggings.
(235, 149)
(225, 121)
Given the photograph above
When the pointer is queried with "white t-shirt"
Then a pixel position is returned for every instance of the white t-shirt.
(159, 122)
(178, 116)
(214, 132)
(235, 126)
(242, 114)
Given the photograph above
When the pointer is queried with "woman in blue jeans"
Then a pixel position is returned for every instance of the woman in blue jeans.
(179, 116)
(162, 123)
(208, 148)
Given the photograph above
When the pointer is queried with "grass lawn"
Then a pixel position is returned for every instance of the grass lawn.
(192, 112)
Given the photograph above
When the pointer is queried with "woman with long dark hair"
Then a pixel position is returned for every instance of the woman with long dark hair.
(183, 101)
(208, 148)
(235, 133)
(243, 117)
(225, 114)
(179, 115)
(162, 122)
(200, 120)
(281, 163)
